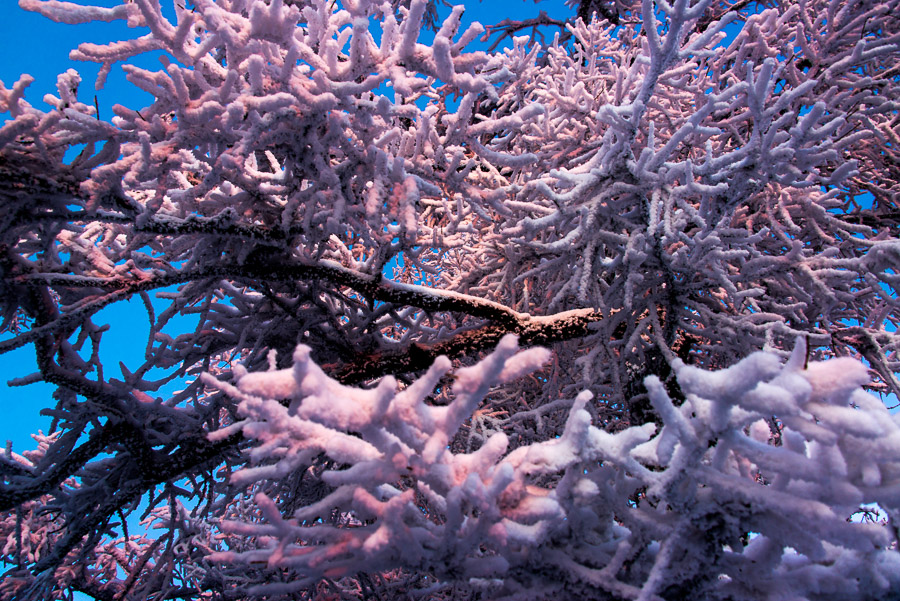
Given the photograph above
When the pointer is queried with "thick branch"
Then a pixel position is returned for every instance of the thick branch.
(531, 331)
(375, 286)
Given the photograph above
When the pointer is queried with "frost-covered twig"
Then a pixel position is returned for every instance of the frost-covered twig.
(707, 506)
(683, 187)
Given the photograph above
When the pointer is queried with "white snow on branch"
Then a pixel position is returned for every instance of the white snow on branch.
(714, 496)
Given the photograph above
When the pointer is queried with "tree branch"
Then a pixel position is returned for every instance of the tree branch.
(532, 331)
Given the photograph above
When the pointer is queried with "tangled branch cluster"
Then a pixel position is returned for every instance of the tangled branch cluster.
(662, 188)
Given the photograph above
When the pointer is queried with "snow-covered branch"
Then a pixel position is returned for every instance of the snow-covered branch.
(656, 195)
(715, 504)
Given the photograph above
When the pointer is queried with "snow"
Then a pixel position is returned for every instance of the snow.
(714, 454)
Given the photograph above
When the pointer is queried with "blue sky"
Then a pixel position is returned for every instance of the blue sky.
(32, 44)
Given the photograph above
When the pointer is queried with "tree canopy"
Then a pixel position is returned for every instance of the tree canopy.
(602, 308)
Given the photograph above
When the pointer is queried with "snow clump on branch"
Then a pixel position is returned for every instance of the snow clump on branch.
(714, 502)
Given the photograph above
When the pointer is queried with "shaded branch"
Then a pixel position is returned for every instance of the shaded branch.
(377, 287)
(532, 331)
(16, 494)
